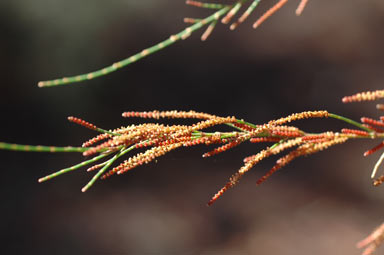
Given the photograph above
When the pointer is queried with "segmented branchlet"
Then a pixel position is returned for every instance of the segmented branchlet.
(222, 11)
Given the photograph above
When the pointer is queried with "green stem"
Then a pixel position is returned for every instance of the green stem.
(212, 6)
(39, 148)
(352, 122)
(69, 169)
(146, 52)
(106, 166)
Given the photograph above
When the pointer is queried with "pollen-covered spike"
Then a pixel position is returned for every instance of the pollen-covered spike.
(270, 12)
(245, 15)
(354, 132)
(82, 122)
(364, 96)
(301, 7)
(298, 116)
(169, 114)
(227, 18)
(209, 30)
(374, 149)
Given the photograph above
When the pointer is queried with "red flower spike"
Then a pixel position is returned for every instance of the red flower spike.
(269, 173)
(285, 133)
(264, 139)
(82, 122)
(220, 193)
(377, 130)
(221, 149)
(374, 149)
(243, 127)
(372, 122)
(354, 132)
(96, 139)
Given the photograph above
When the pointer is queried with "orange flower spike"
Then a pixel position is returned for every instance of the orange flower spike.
(301, 7)
(364, 96)
(150, 155)
(269, 13)
(374, 149)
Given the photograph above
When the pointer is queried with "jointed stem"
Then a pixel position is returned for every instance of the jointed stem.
(174, 38)
(39, 148)
(66, 170)
(352, 122)
(106, 166)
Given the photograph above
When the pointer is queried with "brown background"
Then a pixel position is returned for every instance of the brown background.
(322, 204)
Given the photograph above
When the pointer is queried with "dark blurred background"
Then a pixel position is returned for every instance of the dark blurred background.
(322, 204)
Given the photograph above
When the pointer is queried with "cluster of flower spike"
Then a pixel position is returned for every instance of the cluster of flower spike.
(224, 12)
(153, 140)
